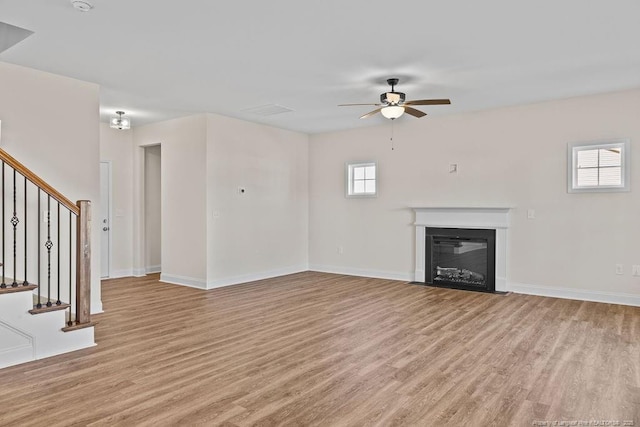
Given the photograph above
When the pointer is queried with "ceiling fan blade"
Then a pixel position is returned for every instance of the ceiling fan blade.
(414, 112)
(351, 105)
(371, 113)
(428, 102)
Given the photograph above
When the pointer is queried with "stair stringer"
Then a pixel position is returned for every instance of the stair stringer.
(32, 337)
(16, 346)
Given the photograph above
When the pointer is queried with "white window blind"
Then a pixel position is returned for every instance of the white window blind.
(599, 166)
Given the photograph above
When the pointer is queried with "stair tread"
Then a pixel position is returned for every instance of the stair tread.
(77, 326)
(45, 309)
(20, 288)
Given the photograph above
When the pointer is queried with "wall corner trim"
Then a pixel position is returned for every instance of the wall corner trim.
(252, 277)
(191, 282)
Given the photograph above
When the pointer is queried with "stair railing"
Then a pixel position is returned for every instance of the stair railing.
(44, 236)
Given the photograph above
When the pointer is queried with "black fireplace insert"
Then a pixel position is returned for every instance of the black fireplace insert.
(461, 258)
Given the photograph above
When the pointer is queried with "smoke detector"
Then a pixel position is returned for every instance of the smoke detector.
(82, 5)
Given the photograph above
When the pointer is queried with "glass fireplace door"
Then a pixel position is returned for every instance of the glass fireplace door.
(461, 258)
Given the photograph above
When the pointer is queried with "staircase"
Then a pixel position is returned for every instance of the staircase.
(45, 278)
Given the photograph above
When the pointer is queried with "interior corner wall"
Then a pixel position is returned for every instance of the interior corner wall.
(116, 147)
(183, 183)
(35, 109)
(511, 156)
(263, 231)
(153, 208)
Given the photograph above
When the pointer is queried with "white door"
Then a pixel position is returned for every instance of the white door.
(105, 217)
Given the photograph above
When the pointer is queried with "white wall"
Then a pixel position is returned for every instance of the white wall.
(211, 235)
(153, 208)
(511, 156)
(183, 196)
(264, 231)
(51, 124)
(116, 146)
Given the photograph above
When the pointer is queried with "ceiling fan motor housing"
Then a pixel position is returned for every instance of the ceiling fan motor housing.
(392, 98)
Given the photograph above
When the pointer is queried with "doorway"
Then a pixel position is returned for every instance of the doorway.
(153, 208)
(105, 219)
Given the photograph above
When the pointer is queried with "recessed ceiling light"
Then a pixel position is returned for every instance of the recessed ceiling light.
(82, 5)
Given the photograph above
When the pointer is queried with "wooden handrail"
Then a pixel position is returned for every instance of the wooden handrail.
(36, 180)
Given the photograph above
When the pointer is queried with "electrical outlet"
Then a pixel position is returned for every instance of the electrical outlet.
(635, 270)
(531, 214)
(619, 269)
(340, 250)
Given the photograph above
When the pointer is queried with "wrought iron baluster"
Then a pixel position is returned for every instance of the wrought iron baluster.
(3, 285)
(39, 304)
(58, 302)
(15, 221)
(48, 245)
(26, 282)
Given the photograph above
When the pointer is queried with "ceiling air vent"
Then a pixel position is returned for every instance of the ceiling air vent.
(11, 35)
(268, 110)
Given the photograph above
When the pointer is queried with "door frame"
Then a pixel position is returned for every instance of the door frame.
(109, 217)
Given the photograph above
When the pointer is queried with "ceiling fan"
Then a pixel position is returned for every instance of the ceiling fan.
(393, 105)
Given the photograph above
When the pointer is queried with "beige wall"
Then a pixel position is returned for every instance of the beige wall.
(211, 235)
(512, 156)
(153, 208)
(116, 146)
(183, 183)
(51, 124)
(264, 231)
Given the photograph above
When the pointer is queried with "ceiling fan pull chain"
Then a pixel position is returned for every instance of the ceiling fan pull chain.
(392, 121)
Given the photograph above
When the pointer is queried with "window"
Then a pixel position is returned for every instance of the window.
(598, 166)
(361, 179)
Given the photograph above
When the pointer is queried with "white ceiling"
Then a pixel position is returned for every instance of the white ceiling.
(159, 59)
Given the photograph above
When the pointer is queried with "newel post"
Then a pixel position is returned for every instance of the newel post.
(83, 262)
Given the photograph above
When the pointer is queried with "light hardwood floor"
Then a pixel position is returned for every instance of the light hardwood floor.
(332, 350)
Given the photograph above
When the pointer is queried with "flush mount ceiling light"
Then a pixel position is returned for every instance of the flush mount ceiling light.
(82, 5)
(120, 122)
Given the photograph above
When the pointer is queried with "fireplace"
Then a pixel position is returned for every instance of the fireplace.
(495, 219)
(460, 258)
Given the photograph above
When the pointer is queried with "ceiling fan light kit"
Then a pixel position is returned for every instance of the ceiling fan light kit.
(392, 104)
(392, 112)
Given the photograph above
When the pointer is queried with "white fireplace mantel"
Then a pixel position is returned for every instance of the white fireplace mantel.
(490, 218)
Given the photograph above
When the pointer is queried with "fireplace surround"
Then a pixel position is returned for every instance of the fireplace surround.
(481, 218)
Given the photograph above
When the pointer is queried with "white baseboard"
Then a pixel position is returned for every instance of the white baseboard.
(521, 288)
(139, 272)
(577, 294)
(120, 273)
(244, 278)
(376, 274)
(184, 281)
(153, 269)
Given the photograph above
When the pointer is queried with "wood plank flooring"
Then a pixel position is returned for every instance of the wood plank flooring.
(332, 350)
